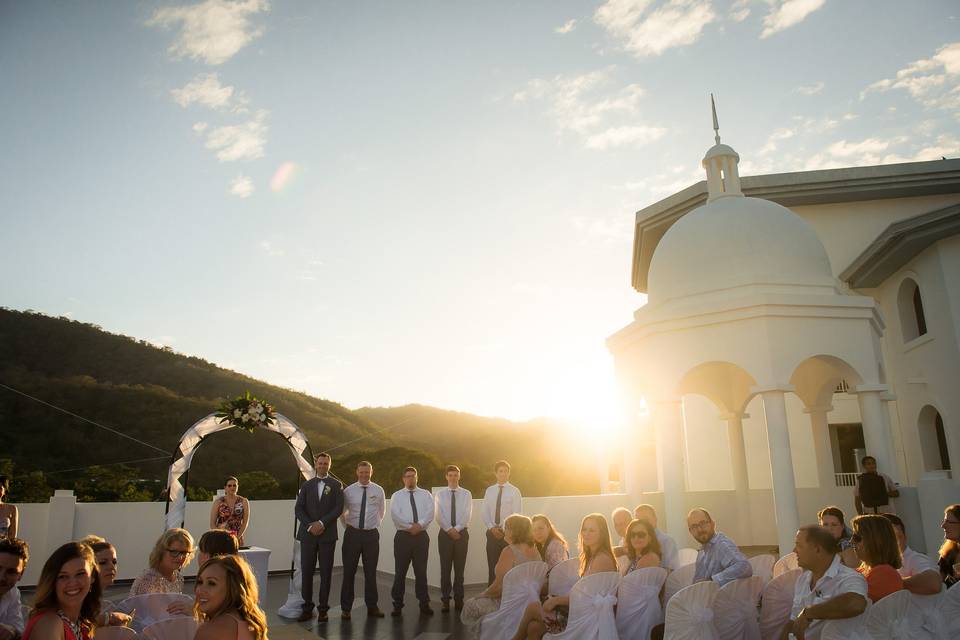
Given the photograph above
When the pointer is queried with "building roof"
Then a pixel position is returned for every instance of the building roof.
(826, 186)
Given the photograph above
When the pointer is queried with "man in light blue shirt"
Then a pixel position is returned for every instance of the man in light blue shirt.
(719, 559)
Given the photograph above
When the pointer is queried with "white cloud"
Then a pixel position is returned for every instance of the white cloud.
(242, 186)
(739, 10)
(810, 89)
(870, 151)
(673, 23)
(787, 13)
(931, 81)
(206, 90)
(240, 142)
(199, 127)
(566, 27)
(212, 31)
(626, 135)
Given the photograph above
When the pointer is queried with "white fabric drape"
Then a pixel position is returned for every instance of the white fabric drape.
(896, 617)
(784, 564)
(591, 609)
(521, 586)
(682, 577)
(638, 603)
(563, 576)
(763, 567)
(735, 609)
(152, 607)
(689, 613)
(777, 602)
(847, 629)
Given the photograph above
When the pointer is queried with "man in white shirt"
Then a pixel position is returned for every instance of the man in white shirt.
(365, 504)
(14, 554)
(920, 574)
(621, 520)
(454, 507)
(826, 590)
(501, 500)
(411, 509)
(670, 558)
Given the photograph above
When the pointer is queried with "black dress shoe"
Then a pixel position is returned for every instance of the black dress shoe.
(425, 610)
(306, 615)
(397, 612)
(445, 608)
(345, 615)
(322, 616)
(374, 612)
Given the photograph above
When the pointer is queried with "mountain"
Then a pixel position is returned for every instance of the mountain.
(152, 395)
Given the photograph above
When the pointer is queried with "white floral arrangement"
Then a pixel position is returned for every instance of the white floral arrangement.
(246, 412)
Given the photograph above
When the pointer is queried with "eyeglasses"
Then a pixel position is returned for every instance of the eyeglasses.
(639, 534)
(945, 521)
(703, 524)
(178, 553)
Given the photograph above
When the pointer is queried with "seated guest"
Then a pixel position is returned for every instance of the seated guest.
(879, 554)
(949, 562)
(14, 554)
(719, 558)
(670, 557)
(549, 542)
(66, 603)
(620, 518)
(596, 556)
(171, 551)
(226, 601)
(920, 574)
(643, 549)
(831, 519)
(518, 532)
(826, 590)
(106, 558)
(216, 542)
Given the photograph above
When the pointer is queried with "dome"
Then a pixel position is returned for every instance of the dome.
(734, 242)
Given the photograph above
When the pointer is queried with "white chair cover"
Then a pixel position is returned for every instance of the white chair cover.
(179, 628)
(848, 629)
(929, 608)
(152, 607)
(521, 586)
(784, 564)
(687, 556)
(591, 609)
(623, 563)
(777, 602)
(763, 566)
(735, 613)
(563, 576)
(948, 613)
(896, 617)
(638, 603)
(682, 577)
(116, 633)
(690, 613)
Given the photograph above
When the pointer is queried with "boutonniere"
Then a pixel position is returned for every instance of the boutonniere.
(326, 489)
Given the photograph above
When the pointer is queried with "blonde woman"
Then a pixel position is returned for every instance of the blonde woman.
(106, 558)
(172, 551)
(226, 601)
(66, 603)
(231, 511)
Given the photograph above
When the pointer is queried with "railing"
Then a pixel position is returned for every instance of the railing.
(846, 479)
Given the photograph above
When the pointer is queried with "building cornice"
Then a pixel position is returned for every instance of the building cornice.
(826, 186)
(898, 244)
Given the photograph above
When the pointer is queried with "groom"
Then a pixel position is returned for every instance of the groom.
(319, 504)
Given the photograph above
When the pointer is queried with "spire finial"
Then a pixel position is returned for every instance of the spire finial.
(716, 125)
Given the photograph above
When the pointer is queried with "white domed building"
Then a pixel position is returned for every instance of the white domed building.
(763, 365)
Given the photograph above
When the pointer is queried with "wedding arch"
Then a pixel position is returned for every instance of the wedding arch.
(193, 437)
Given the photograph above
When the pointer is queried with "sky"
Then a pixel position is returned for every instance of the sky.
(383, 203)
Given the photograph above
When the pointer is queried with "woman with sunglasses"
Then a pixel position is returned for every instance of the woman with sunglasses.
(949, 561)
(879, 552)
(231, 512)
(173, 550)
(643, 548)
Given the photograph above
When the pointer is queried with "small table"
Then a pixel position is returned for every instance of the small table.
(259, 560)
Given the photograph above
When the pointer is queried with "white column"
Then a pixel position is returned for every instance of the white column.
(738, 461)
(876, 430)
(821, 445)
(781, 468)
(668, 421)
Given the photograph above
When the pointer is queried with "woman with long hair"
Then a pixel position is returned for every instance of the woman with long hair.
(231, 511)
(949, 561)
(550, 543)
(106, 558)
(66, 603)
(9, 516)
(226, 601)
(879, 553)
(832, 519)
(643, 548)
(596, 556)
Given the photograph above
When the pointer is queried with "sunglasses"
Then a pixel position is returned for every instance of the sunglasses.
(177, 553)
(639, 534)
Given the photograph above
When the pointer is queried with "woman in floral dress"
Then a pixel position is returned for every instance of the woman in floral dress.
(231, 512)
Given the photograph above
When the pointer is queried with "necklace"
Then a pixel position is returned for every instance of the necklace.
(74, 626)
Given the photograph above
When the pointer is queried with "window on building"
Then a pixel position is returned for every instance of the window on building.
(933, 440)
(918, 312)
(913, 322)
(942, 442)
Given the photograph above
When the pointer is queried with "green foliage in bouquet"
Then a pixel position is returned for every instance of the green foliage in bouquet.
(246, 412)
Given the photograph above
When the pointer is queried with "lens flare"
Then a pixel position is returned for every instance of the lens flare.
(283, 176)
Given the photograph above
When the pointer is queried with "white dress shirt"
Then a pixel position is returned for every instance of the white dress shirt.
(464, 508)
(509, 504)
(669, 556)
(837, 580)
(375, 510)
(10, 609)
(402, 514)
(916, 563)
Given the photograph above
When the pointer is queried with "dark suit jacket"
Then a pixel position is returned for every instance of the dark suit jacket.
(310, 508)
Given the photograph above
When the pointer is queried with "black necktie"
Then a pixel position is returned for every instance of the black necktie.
(413, 505)
(453, 508)
(496, 517)
(363, 508)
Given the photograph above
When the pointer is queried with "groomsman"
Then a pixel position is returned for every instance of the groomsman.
(411, 509)
(319, 504)
(501, 500)
(454, 506)
(364, 507)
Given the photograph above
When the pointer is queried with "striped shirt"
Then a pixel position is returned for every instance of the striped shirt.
(721, 561)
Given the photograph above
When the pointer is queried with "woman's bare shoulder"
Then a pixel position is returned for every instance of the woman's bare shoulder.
(223, 627)
(47, 627)
(603, 562)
